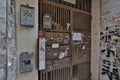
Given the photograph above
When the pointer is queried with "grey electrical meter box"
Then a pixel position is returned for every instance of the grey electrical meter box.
(47, 22)
(26, 62)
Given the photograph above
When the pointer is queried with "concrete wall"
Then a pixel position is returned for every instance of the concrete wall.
(26, 40)
(95, 44)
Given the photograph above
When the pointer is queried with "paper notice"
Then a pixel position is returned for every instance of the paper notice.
(42, 65)
(62, 55)
(77, 37)
(42, 45)
(41, 53)
(41, 61)
(9, 64)
(55, 45)
(84, 46)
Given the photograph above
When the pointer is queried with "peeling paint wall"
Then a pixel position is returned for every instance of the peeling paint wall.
(11, 40)
(7, 40)
(3, 41)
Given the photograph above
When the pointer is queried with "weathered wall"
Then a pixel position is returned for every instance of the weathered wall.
(3, 41)
(110, 40)
(26, 40)
(7, 40)
(95, 44)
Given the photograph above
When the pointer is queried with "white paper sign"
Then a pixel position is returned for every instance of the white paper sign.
(77, 37)
(42, 61)
(55, 45)
(62, 55)
(41, 53)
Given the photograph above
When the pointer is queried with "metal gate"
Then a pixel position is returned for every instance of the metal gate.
(71, 60)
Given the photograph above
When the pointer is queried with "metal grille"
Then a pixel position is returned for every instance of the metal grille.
(84, 5)
(58, 74)
(80, 19)
(81, 71)
(60, 16)
(84, 71)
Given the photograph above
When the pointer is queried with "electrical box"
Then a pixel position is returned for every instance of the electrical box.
(26, 62)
